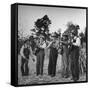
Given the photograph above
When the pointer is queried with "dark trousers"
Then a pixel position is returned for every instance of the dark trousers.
(52, 62)
(75, 63)
(24, 67)
(40, 62)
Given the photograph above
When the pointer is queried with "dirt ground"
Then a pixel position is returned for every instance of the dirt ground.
(33, 79)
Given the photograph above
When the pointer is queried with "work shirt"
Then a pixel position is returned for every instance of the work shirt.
(43, 45)
(77, 42)
(22, 52)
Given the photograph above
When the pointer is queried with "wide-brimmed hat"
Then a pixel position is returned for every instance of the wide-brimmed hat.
(54, 35)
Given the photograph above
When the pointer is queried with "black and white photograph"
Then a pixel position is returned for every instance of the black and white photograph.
(52, 44)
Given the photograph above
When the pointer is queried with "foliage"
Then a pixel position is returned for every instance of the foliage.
(71, 28)
(42, 27)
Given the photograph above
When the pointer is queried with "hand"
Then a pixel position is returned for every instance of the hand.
(61, 41)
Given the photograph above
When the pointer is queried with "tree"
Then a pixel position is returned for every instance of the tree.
(71, 28)
(42, 26)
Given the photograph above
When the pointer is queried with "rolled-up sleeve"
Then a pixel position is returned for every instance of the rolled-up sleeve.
(44, 45)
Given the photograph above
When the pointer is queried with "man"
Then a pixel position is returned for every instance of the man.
(40, 56)
(75, 43)
(52, 57)
(65, 57)
(25, 52)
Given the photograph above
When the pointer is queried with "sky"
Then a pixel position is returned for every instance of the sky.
(59, 17)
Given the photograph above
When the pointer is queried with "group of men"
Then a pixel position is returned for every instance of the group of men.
(69, 52)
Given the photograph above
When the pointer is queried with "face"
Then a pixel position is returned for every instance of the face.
(72, 35)
(63, 37)
(54, 39)
(25, 45)
(28, 44)
(41, 40)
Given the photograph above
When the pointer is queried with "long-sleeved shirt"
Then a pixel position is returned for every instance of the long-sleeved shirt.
(78, 42)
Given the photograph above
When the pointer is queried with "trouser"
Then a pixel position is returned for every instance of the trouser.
(40, 62)
(52, 62)
(24, 67)
(65, 64)
(75, 63)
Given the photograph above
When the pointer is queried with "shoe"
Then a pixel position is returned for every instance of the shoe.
(75, 79)
(52, 75)
(66, 76)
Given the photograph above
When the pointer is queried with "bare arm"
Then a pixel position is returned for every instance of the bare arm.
(64, 42)
(21, 51)
(49, 45)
